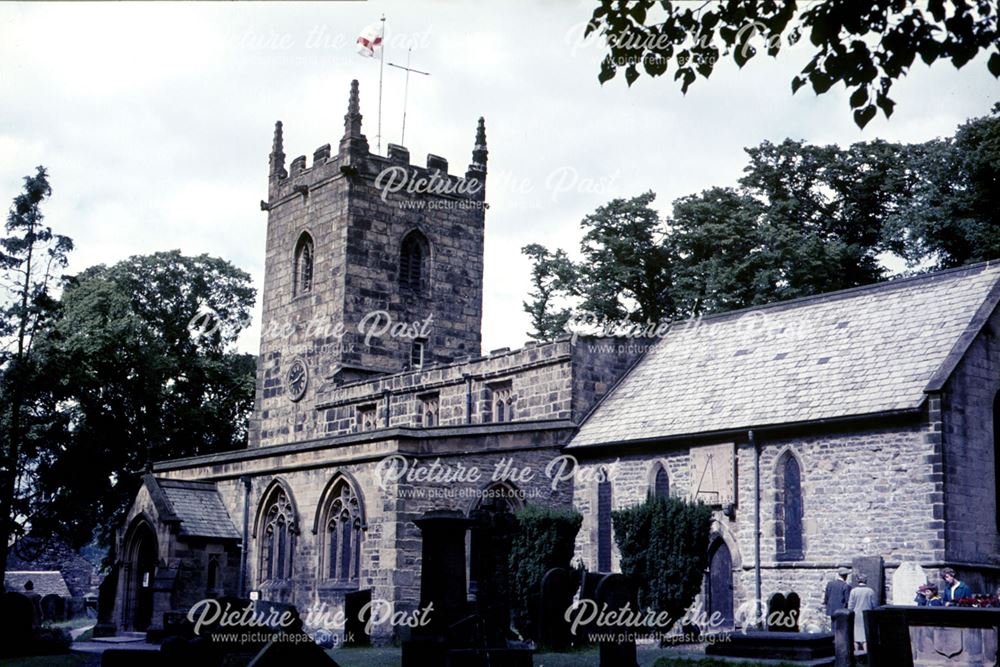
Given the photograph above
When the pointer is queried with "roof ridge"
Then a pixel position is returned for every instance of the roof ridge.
(889, 284)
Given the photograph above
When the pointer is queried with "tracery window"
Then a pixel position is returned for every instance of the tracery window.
(277, 538)
(341, 535)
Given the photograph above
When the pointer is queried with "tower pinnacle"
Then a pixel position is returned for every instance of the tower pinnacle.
(479, 152)
(278, 153)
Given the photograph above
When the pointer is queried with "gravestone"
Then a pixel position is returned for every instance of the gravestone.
(354, 623)
(588, 591)
(558, 586)
(17, 628)
(843, 638)
(493, 531)
(907, 578)
(793, 606)
(53, 607)
(777, 610)
(872, 567)
(617, 591)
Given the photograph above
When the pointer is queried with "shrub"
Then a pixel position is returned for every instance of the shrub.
(664, 548)
(544, 538)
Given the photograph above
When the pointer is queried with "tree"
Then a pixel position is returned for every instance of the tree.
(719, 252)
(664, 549)
(866, 46)
(543, 539)
(950, 212)
(623, 277)
(552, 275)
(138, 382)
(31, 257)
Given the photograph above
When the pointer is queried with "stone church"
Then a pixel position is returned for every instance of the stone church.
(854, 423)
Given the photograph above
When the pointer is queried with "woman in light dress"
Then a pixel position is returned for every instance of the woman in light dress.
(862, 598)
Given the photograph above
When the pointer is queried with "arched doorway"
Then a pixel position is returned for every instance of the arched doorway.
(719, 587)
(141, 556)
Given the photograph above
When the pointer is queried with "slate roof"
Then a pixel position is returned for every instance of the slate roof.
(45, 582)
(196, 505)
(868, 350)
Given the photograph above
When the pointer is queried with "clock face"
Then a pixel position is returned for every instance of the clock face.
(296, 380)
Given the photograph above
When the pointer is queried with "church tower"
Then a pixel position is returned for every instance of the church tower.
(373, 266)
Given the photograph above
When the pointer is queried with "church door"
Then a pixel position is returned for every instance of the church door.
(719, 587)
(141, 554)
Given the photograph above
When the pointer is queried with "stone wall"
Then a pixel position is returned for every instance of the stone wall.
(343, 203)
(391, 547)
(969, 480)
(865, 492)
(558, 380)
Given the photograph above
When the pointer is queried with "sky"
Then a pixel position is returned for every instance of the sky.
(155, 120)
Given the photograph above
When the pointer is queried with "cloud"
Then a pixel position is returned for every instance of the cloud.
(155, 119)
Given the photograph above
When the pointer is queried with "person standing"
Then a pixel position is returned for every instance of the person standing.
(861, 599)
(953, 588)
(837, 592)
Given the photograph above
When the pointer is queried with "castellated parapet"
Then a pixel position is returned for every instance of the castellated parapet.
(356, 243)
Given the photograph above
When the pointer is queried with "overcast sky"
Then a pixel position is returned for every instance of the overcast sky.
(155, 120)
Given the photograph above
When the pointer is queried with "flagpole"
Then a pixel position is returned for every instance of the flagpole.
(406, 88)
(406, 92)
(381, 68)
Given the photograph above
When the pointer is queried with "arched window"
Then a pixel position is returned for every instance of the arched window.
(277, 537)
(502, 402)
(603, 522)
(788, 509)
(302, 278)
(340, 535)
(413, 255)
(661, 483)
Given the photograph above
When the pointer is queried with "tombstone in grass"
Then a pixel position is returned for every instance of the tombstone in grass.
(907, 578)
(872, 567)
(558, 586)
(442, 586)
(17, 628)
(843, 637)
(777, 609)
(355, 632)
(588, 591)
(53, 607)
(793, 608)
(492, 532)
(618, 591)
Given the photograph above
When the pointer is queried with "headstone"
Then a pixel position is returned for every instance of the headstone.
(907, 578)
(53, 607)
(617, 591)
(16, 630)
(777, 613)
(843, 638)
(874, 568)
(558, 586)
(588, 591)
(493, 531)
(354, 623)
(793, 606)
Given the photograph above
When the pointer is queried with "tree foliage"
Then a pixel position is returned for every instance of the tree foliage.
(664, 549)
(865, 46)
(803, 220)
(141, 366)
(544, 539)
(32, 257)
